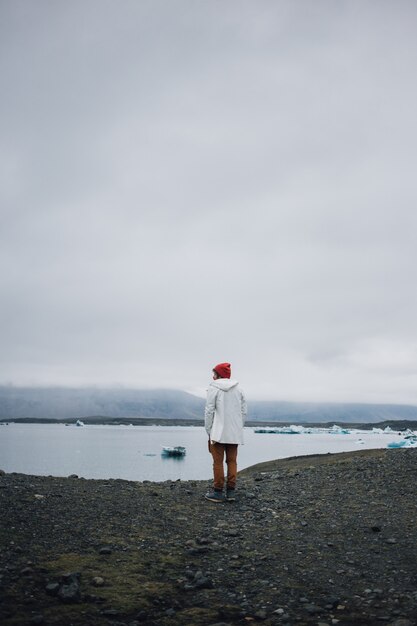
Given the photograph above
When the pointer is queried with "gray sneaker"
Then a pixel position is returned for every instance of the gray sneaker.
(215, 496)
(230, 495)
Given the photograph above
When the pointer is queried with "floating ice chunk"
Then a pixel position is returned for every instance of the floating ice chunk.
(411, 442)
(283, 430)
(337, 430)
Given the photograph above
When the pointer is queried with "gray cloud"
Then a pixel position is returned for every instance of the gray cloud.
(184, 183)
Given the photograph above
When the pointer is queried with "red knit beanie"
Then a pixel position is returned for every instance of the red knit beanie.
(223, 370)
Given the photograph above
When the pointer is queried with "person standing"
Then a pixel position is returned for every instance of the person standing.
(225, 415)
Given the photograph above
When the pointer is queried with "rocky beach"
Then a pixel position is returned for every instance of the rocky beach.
(322, 540)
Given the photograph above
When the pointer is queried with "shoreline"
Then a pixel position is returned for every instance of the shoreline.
(395, 425)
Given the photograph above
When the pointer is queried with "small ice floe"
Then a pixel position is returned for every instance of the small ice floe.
(79, 423)
(173, 451)
(409, 442)
(282, 430)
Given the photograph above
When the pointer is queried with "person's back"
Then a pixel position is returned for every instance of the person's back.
(228, 420)
(225, 416)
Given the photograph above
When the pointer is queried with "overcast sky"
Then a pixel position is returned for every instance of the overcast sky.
(187, 182)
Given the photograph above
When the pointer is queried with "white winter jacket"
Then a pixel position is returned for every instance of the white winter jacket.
(225, 412)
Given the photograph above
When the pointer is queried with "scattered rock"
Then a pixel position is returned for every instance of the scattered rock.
(197, 580)
(170, 612)
(204, 541)
(69, 591)
(52, 589)
(312, 609)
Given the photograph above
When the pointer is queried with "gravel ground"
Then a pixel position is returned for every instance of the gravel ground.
(328, 539)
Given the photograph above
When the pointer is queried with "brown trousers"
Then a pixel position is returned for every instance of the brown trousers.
(218, 451)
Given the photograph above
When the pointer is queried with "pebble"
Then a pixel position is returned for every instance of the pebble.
(105, 551)
(203, 541)
(312, 609)
(261, 614)
(97, 581)
(52, 589)
(170, 612)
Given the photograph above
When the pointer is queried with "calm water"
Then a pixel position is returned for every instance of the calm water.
(134, 452)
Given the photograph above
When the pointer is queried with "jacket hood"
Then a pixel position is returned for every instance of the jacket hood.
(224, 384)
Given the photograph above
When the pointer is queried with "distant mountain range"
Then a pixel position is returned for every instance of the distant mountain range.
(64, 403)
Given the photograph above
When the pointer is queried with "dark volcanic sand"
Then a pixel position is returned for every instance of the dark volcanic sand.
(319, 540)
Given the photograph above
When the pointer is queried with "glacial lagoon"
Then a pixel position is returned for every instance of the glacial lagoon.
(134, 452)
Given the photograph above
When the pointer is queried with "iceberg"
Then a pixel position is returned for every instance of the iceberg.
(337, 430)
(409, 442)
(283, 430)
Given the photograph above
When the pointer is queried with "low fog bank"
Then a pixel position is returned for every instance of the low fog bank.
(66, 403)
